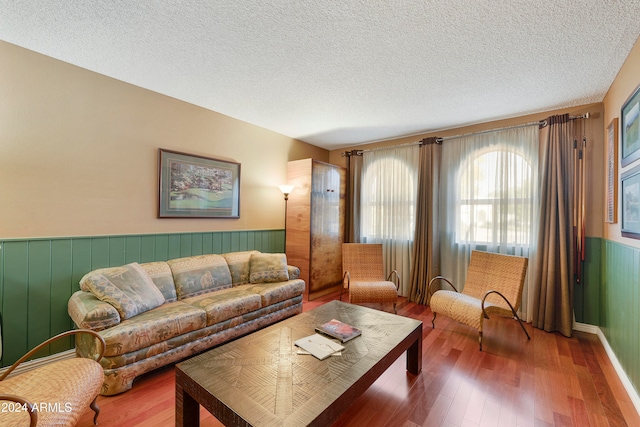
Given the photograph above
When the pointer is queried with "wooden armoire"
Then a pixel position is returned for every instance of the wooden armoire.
(315, 224)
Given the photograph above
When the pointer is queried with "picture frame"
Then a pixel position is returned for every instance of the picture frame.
(192, 186)
(611, 214)
(630, 215)
(630, 129)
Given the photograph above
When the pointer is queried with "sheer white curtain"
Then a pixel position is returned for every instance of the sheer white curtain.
(488, 201)
(388, 205)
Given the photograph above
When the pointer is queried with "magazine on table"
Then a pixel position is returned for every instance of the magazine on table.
(321, 347)
(339, 330)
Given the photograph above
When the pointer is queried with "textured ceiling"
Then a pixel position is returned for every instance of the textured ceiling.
(338, 73)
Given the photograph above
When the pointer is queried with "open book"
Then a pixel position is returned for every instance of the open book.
(339, 330)
(321, 347)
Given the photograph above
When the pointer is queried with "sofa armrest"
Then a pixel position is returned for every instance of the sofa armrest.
(294, 272)
(88, 312)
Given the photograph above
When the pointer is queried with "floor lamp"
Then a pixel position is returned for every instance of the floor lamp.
(286, 190)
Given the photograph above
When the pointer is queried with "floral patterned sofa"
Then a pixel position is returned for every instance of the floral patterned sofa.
(156, 313)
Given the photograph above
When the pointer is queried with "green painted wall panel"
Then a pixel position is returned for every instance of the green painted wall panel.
(586, 293)
(162, 247)
(39, 297)
(15, 298)
(185, 245)
(37, 276)
(132, 251)
(620, 306)
(61, 289)
(117, 251)
(196, 244)
(174, 247)
(148, 248)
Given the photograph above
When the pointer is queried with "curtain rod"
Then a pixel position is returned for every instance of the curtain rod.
(541, 123)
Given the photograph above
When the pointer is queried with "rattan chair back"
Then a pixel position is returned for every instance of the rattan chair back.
(363, 261)
(496, 272)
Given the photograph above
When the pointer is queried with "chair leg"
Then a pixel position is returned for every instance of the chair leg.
(96, 409)
(522, 326)
(433, 321)
(395, 310)
(480, 339)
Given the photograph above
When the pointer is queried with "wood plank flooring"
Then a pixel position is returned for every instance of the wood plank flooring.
(547, 381)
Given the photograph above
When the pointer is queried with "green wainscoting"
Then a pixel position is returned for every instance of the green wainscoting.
(620, 306)
(37, 276)
(586, 294)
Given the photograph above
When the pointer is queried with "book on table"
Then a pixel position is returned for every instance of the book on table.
(339, 330)
(321, 347)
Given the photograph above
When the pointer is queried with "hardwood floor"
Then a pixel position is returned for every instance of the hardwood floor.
(547, 381)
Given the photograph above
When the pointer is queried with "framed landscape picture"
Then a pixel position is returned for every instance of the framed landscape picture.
(630, 183)
(630, 129)
(197, 187)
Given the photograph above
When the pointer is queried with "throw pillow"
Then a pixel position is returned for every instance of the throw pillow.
(128, 288)
(268, 268)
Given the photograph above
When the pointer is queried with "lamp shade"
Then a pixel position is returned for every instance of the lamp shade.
(286, 189)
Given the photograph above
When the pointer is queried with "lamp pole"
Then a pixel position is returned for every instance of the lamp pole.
(286, 190)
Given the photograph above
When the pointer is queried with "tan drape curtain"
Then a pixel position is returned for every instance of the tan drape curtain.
(426, 249)
(354, 177)
(554, 263)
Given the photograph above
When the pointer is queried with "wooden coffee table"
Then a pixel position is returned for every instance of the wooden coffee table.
(260, 380)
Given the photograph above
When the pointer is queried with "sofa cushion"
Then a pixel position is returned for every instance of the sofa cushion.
(160, 273)
(238, 263)
(272, 293)
(199, 274)
(154, 326)
(128, 288)
(225, 304)
(87, 311)
(268, 268)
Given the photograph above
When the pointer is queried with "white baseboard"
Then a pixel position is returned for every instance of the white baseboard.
(36, 363)
(631, 391)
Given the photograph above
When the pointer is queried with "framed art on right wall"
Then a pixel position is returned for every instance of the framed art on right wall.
(630, 189)
(630, 129)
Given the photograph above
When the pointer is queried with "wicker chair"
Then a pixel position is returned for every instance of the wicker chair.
(363, 275)
(493, 286)
(55, 394)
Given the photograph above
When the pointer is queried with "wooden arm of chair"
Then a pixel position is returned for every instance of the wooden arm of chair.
(397, 281)
(484, 313)
(55, 338)
(432, 281)
(30, 407)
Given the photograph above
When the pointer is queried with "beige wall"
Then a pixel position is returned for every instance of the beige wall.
(595, 152)
(623, 86)
(79, 153)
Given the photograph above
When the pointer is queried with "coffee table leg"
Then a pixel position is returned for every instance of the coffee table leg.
(187, 409)
(414, 354)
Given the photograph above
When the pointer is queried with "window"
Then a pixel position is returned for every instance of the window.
(389, 195)
(496, 196)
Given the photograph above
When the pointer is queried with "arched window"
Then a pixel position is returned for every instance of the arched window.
(389, 194)
(388, 206)
(496, 197)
